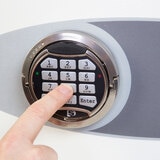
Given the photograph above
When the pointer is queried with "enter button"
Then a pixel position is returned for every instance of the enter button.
(89, 101)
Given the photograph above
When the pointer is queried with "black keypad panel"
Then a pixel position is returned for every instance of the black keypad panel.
(81, 72)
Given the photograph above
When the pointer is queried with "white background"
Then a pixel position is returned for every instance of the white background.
(15, 14)
(19, 13)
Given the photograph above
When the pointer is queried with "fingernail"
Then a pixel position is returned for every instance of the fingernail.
(65, 89)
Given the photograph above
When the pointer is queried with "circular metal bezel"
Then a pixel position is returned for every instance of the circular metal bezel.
(95, 47)
(89, 54)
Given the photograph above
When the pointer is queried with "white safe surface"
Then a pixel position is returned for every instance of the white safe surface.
(83, 146)
(71, 145)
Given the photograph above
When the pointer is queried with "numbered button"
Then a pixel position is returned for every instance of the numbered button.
(68, 76)
(49, 63)
(46, 87)
(73, 100)
(87, 88)
(86, 77)
(73, 85)
(86, 64)
(49, 75)
(67, 64)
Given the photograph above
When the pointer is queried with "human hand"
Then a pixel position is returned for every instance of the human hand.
(17, 144)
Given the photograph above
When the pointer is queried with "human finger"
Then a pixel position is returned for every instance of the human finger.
(32, 120)
(43, 152)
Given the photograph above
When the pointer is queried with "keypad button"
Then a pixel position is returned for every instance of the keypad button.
(88, 101)
(73, 85)
(73, 100)
(86, 64)
(87, 88)
(68, 76)
(46, 86)
(50, 75)
(67, 64)
(86, 77)
(49, 63)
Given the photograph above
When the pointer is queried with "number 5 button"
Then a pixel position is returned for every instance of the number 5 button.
(68, 76)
